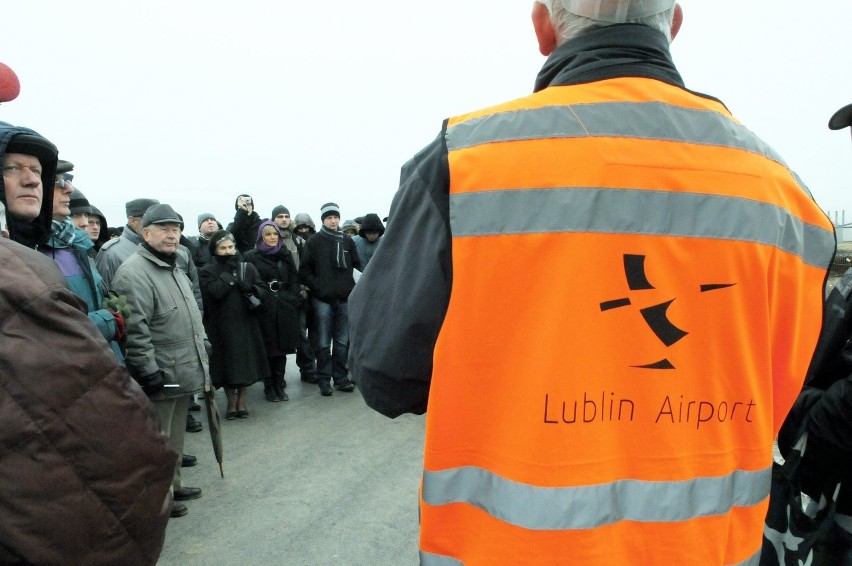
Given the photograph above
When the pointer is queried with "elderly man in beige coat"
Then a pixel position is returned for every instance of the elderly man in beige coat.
(166, 350)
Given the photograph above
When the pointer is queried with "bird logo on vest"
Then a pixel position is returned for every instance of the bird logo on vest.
(654, 315)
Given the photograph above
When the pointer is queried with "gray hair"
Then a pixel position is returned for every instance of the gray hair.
(569, 25)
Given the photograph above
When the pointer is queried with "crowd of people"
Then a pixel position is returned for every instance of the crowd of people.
(178, 315)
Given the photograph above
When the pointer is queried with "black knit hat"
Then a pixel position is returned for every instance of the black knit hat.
(79, 203)
(329, 208)
(280, 209)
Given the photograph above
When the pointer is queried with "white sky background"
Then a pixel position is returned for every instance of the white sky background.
(299, 103)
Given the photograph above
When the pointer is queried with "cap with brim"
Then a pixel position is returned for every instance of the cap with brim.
(137, 207)
(616, 11)
(841, 119)
(63, 166)
(161, 214)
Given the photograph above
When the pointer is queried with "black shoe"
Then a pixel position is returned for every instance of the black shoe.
(178, 510)
(195, 406)
(345, 385)
(325, 389)
(230, 415)
(283, 396)
(309, 378)
(242, 414)
(187, 493)
(188, 461)
(192, 425)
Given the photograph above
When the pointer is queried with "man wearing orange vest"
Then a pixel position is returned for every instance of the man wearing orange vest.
(617, 305)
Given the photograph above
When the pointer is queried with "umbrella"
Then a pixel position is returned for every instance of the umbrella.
(213, 423)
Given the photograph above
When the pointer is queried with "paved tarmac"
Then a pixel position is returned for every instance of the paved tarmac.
(311, 481)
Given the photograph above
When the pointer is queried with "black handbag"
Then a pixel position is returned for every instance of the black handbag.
(252, 302)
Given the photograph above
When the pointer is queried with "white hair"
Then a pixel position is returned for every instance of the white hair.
(569, 25)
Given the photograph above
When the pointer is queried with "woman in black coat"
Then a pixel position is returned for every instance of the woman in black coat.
(238, 358)
(280, 321)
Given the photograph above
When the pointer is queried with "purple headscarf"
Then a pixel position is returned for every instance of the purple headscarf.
(263, 246)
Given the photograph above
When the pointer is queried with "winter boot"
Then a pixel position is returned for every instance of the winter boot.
(279, 366)
(269, 390)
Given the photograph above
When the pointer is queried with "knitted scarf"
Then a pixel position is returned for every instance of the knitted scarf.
(63, 234)
(338, 258)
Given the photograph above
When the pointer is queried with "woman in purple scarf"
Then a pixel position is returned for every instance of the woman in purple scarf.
(280, 322)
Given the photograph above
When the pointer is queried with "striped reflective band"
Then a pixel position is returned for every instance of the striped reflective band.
(613, 211)
(587, 507)
(642, 120)
(428, 559)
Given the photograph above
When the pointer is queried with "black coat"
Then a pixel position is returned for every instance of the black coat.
(239, 356)
(280, 322)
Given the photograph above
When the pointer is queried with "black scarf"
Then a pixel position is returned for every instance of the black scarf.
(338, 258)
(171, 259)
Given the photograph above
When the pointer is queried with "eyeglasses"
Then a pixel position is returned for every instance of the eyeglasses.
(60, 182)
(15, 170)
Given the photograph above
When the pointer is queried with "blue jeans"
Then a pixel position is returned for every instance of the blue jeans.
(331, 324)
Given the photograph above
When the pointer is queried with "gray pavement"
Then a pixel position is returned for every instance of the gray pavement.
(311, 481)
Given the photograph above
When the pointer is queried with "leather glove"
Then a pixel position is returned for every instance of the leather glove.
(245, 286)
(120, 329)
(153, 383)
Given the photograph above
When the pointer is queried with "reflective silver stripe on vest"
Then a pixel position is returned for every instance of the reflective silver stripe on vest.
(587, 507)
(428, 559)
(613, 211)
(753, 561)
(640, 120)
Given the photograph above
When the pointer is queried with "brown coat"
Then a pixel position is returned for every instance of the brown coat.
(84, 469)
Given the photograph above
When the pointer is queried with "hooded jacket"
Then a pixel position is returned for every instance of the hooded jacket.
(36, 232)
(365, 247)
(84, 467)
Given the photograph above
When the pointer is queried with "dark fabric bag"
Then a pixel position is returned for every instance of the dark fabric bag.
(790, 534)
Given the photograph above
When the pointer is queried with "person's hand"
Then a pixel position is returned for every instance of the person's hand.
(120, 330)
(153, 383)
(241, 203)
(244, 286)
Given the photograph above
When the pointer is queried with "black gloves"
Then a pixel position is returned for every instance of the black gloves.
(152, 383)
(245, 286)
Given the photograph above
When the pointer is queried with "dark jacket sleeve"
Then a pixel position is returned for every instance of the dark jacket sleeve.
(397, 308)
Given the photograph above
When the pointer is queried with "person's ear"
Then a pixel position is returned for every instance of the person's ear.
(677, 20)
(544, 32)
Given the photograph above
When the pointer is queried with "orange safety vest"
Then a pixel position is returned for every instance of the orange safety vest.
(637, 292)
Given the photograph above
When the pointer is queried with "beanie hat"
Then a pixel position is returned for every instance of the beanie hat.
(327, 209)
(616, 11)
(79, 203)
(137, 207)
(371, 222)
(161, 214)
(280, 209)
(206, 216)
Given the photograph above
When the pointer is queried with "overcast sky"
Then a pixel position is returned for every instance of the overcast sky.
(299, 103)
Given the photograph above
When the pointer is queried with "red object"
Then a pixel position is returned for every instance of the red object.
(10, 86)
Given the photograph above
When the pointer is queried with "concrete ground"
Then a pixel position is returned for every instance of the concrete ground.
(311, 481)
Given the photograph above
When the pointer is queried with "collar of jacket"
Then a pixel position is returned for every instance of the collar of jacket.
(628, 50)
(129, 234)
(156, 257)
